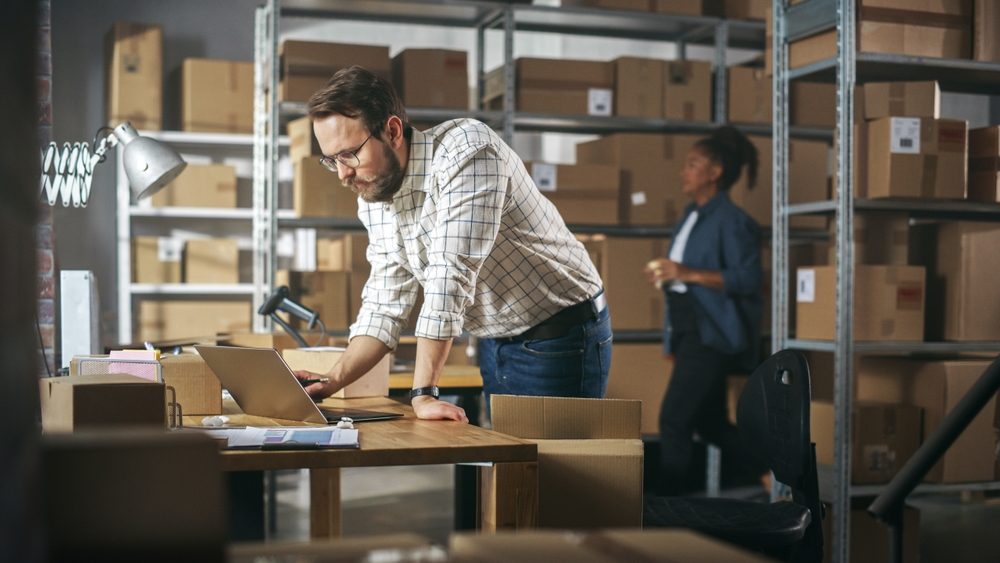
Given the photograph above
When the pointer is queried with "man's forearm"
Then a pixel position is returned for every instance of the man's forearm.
(362, 354)
(431, 356)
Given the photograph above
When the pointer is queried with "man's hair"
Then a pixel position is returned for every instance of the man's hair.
(357, 93)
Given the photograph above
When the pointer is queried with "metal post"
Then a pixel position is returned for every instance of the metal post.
(682, 50)
(844, 344)
(713, 470)
(721, 76)
(508, 61)
(265, 156)
(124, 249)
(480, 63)
(779, 212)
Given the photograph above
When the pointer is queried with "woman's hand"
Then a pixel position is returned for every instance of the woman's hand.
(429, 408)
(317, 391)
(661, 270)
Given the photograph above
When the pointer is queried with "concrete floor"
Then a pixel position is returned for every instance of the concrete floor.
(419, 499)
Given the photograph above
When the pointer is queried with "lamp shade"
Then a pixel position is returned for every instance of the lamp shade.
(149, 164)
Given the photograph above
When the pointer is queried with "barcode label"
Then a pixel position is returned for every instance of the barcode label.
(599, 101)
(905, 135)
(544, 176)
(169, 249)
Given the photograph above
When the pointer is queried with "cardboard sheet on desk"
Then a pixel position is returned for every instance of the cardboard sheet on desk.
(255, 437)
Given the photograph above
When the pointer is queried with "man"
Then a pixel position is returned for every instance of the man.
(453, 210)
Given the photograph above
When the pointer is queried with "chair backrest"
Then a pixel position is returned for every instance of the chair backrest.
(773, 416)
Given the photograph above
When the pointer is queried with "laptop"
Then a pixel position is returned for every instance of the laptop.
(263, 385)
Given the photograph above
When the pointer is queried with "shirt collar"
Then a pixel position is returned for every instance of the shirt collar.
(710, 205)
(419, 165)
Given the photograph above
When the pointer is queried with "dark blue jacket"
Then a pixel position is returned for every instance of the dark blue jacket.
(727, 240)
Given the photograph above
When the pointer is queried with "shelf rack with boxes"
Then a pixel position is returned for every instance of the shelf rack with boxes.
(133, 219)
(832, 29)
(509, 18)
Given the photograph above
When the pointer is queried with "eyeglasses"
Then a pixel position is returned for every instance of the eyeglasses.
(347, 158)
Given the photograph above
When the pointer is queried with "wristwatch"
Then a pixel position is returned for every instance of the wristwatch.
(433, 391)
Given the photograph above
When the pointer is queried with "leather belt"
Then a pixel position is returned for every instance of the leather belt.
(560, 323)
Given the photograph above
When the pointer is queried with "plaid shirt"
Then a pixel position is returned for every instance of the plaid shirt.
(468, 225)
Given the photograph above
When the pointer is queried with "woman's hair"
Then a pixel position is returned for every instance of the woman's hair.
(357, 92)
(731, 150)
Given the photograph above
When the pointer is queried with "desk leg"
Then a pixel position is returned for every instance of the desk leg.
(508, 496)
(324, 506)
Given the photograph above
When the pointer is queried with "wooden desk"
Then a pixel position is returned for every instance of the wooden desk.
(508, 477)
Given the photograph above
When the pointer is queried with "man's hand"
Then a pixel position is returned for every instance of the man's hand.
(429, 408)
(317, 391)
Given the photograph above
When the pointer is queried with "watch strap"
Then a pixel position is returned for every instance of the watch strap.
(433, 391)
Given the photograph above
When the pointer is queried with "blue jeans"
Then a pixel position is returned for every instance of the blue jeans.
(574, 365)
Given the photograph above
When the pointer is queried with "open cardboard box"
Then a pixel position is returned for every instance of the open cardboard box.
(590, 457)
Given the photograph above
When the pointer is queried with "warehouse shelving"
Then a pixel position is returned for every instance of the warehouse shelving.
(205, 219)
(846, 69)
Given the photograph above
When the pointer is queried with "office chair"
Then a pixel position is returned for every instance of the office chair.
(773, 420)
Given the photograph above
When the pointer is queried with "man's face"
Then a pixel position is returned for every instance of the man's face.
(378, 176)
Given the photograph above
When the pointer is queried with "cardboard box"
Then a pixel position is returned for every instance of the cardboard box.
(199, 391)
(884, 437)
(687, 90)
(689, 7)
(808, 162)
(750, 95)
(649, 190)
(174, 320)
(985, 33)
(132, 495)
(870, 539)
(375, 383)
(590, 457)
(432, 78)
(812, 104)
(584, 194)
(984, 164)
(302, 140)
(102, 401)
(217, 96)
(317, 192)
(606, 546)
(936, 387)
(635, 304)
(212, 261)
(888, 303)
(968, 267)
(638, 87)
(917, 157)
(568, 87)
(327, 293)
(902, 99)
(306, 66)
(880, 237)
(746, 9)
(133, 75)
(345, 253)
(200, 185)
(156, 259)
(640, 372)
(277, 340)
(927, 29)
(734, 388)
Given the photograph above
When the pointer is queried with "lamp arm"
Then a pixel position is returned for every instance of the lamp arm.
(69, 173)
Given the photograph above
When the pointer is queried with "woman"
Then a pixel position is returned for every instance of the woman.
(711, 278)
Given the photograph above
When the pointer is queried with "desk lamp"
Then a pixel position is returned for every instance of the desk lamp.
(281, 300)
(149, 164)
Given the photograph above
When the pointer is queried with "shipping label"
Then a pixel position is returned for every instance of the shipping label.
(544, 176)
(905, 135)
(805, 287)
(639, 198)
(169, 249)
(599, 101)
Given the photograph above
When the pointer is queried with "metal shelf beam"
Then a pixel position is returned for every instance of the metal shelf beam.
(825, 474)
(192, 289)
(899, 347)
(922, 208)
(954, 75)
